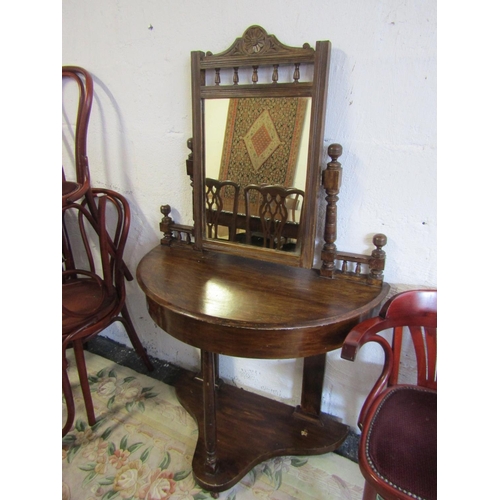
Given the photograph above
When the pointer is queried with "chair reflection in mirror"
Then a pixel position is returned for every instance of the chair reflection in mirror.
(271, 219)
(221, 223)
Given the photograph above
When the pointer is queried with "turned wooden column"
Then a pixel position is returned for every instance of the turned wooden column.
(166, 225)
(210, 413)
(377, 260)
(332, 178)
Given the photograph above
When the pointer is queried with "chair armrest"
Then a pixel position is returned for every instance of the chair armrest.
(415, 309)
(360, 335)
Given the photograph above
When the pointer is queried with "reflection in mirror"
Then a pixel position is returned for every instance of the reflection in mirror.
(221, 222)
(256, 141)
(271, 216)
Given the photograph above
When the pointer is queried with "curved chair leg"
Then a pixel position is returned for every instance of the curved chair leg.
(369, 493)
(68, 396)
(84, 381)
(126, 321)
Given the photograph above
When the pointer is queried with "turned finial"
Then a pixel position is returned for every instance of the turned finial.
(380, 240)
(334, 151)
(165, 210)
(377, 260)
(166, 225)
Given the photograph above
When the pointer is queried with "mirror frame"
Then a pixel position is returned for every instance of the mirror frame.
(256, 49)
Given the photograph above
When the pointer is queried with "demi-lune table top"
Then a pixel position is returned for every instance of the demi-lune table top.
(248, 308)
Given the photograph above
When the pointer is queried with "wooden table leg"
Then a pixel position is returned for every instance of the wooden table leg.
(218, 380)
(208, 369)
(312, 387)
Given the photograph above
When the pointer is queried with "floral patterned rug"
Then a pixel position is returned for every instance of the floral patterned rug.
(143, 443)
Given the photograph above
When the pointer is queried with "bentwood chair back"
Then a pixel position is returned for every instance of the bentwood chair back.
(93, 285)
(76, 178)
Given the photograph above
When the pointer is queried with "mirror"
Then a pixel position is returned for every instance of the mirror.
(255, 141)
(258, 114)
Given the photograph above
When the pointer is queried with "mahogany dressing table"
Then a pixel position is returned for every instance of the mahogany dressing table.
(236, 299)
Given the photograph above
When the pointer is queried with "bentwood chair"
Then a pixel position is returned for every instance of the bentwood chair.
(398, 421)
(76, 184)
(93, 285)
(275, 207)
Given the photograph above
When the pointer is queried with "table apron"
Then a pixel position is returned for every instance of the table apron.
(247, 342)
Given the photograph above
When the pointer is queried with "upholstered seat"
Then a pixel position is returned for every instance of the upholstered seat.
(401, 440)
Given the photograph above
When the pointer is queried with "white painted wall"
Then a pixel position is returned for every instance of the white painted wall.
(381, 107)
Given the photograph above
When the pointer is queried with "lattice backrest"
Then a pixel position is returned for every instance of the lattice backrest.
(215, 193)
(275, 206)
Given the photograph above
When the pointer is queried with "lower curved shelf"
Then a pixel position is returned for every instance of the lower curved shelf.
(250, 429)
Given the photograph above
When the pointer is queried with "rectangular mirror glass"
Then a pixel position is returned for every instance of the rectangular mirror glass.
(255, 141)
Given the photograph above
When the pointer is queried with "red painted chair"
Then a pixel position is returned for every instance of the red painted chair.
(398, 422)
(93, 284)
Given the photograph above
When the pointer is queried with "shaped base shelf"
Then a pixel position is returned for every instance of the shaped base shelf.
(251, 429)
